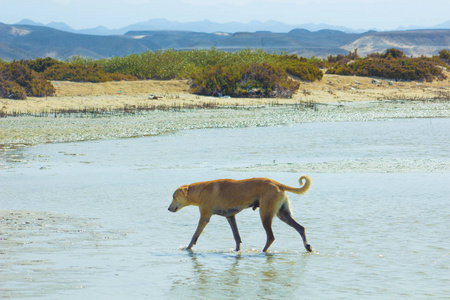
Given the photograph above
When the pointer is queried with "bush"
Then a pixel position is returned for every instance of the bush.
(80, 60)
(11, 90)
(41, 64)
(392, 64)
(343, 59)
(75, 69)
(164, 65)
(170, 64)
(393, 53)
(301, 68)
(119, 77)
(31, 83)
(444, 55)
(76, 73)
(251, 80)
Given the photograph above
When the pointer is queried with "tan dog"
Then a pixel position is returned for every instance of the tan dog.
(227, 197)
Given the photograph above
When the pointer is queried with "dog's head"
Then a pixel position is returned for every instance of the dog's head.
(179, 199)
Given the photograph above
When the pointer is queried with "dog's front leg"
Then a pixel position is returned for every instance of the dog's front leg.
(201, 225)
(237, 238)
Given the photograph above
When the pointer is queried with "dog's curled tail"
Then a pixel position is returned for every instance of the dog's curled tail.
(303, 186)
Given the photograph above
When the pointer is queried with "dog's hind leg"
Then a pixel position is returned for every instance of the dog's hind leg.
(267, 208)
(267, 224)
(237, 238)
(285, 215)
(201, 225)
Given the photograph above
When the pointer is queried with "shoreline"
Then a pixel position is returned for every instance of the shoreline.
(28, 130)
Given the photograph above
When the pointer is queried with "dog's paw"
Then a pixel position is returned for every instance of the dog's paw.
(308, 247)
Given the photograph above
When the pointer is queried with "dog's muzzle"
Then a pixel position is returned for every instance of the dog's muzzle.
(173, 208)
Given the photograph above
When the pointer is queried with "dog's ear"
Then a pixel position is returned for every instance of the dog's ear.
(185, 189)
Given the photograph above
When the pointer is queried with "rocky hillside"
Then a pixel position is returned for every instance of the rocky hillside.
(415, 42)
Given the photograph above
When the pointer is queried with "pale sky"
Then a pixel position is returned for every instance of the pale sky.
(357, 14)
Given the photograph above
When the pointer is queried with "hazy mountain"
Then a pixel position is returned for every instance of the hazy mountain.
(56, 25)
(445, 25)
(29, 22)
(100, 30)
(60, 26)
(211, 27)
(198, 26)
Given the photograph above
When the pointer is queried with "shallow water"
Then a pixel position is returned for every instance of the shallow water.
(90, 219)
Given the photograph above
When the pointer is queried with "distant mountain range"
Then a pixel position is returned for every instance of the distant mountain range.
(198, 26)
(211, 27)
(31, 41)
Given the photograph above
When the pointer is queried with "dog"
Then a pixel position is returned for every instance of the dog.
(227, 197)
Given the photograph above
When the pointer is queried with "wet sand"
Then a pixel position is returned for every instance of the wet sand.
(79, 127)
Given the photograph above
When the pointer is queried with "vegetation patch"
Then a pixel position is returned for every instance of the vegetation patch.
(302, 68)
(392, 64)
(172, 64)
(444, 55)
(76, 73)
(244, 73)
(73, 71)
(17, 81)
(251, 80)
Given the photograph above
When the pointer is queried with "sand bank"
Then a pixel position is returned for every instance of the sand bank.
(72, 96)
(381, 165)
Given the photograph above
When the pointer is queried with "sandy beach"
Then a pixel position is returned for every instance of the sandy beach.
(335, 98)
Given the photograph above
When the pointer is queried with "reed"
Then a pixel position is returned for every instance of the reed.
(105, 111)
(441, 96)
(145, 107)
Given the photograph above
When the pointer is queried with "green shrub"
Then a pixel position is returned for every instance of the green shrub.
(300, 67)
(76, 68)
(41, 64)
(250, 80)
(393, 53)
(343, 59)
(11, 90)
(80, 60)
(171, 64)
(392, 64)
(121, 77)
(17, 74)
(444, 55)
(78, 73)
